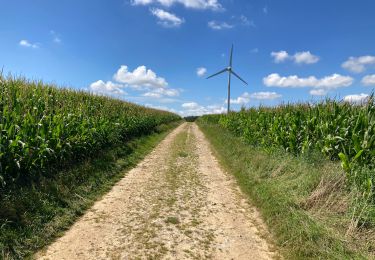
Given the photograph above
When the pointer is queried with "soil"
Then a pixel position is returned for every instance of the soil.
(176, 204)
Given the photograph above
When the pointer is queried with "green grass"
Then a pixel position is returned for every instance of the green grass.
(338, 130)
(32, 217)
(303, 199)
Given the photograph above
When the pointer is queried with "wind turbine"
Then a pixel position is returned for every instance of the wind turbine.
(230, 71)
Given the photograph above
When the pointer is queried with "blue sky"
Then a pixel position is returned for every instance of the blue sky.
(149, 51)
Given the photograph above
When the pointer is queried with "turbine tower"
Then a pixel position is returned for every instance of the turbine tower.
(230, 71)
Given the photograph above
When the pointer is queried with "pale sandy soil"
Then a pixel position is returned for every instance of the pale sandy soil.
(176, 204)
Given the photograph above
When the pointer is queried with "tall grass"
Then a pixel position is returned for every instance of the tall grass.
(44, 129)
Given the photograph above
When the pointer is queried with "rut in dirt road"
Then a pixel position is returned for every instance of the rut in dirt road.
(176, 204)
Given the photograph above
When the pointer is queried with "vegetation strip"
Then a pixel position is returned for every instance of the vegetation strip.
(59, 150)
(45, 129)
(338, 130)
(34, 216)
(283, 187)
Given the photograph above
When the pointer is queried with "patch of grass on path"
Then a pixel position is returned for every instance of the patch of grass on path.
(282, 187)
(39, 214)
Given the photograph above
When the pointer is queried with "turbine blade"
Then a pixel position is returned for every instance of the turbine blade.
(231, 56)
(235, 74)
(224, 70)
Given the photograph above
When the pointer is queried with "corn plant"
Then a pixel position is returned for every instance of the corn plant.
(43, 128)
(339, 130)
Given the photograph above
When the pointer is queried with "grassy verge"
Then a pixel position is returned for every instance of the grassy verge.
(304, 200)
(32, 217)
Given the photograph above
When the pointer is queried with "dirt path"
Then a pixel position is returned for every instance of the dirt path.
(176, 204)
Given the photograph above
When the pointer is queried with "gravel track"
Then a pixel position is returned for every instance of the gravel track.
(176, 204)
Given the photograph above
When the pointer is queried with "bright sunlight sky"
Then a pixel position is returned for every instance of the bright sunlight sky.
(158, 52)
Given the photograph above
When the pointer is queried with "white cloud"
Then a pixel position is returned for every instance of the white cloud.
(369, 80)
(358, 64)
(190, 105)
(215, 109)
(319, 92)
(194, 109)
(167, 19)
(201, 71)
(265, 95)
(245, 98)
(305, 57)
(161, 108)
(107, 88)
(26, 43)
(162, 92)
(357, 98)
(194, 4)
(321, 86)
(142, 2)
(235, 21)
(152, 95)
(215, 25)
(280, 56)
(140, 77)
(333, 81)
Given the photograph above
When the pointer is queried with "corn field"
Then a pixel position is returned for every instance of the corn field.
(339, 130)
(43, 128)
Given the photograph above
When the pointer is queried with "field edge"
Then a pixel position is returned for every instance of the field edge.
(261, 176)
(61, 201)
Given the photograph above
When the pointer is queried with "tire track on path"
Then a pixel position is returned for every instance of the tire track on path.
(176, 204)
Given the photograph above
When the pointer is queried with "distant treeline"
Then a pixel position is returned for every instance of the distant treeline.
(191, 118)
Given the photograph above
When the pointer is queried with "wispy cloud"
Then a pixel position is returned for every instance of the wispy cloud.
(359, 64)
(265, 95)
(162, 92)
(246, 21)
(26, 43)
(254, 50)
(193, 4)
(265, 10)
(235, 20)
(216, 25)
(161, 108)
(368, 80)
(167, 19)
(246, 97)
(56, 37)
(194, 109)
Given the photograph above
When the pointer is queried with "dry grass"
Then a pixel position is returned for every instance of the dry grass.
(308, 204)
